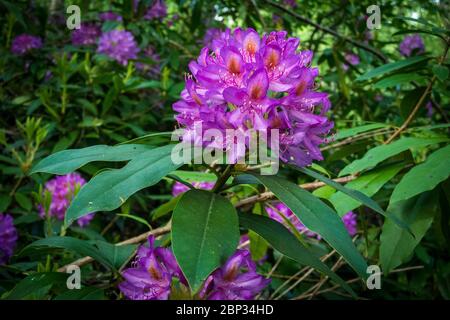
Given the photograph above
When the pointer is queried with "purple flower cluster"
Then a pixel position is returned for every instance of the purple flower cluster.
(87, 35)
(8, 237)
(235, 280)
(153, 270)
(24, 43)
(249, 82)
(156, 11)
(412, 44)
(62, 190)
(179, 188)
(118, 45)
(150, 277)
(351, 59)
(280, 209)
(110, 16)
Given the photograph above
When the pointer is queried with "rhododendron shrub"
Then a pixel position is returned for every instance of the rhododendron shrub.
(224, 150)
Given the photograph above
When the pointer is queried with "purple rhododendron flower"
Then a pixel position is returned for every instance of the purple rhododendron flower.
(63, 190)
(153, 270)
(150, 276)
(280, 209)
(110, 16)
(262, 83)
(179, 188)
(156, 11)
(412, 44)
(429, 107)
(210, 35)
(235, 280)
(24, 43)
(118, 45)
(351, 59)
(290, 3)
(8, 237)
(87, 34)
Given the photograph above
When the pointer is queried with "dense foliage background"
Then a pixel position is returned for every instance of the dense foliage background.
(391, 116)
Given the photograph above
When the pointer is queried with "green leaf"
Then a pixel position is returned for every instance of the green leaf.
(318, 217)
(86, 293)
(397, 245)
(195, 176)
(425, 176)
(116, 255)
(69, 160)
(352, 193)
(285, 242)
(136, 218)
(81, 247)
(385, 151)
(368, 183)
(110, 189)
(205, 232)
(391, 67)
(397, 79)
(35, 282)
(342, 134)
(23, 201)
(258, 246)
(165, 208)
(441, 72)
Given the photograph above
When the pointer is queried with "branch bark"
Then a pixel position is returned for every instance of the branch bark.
(356, 43)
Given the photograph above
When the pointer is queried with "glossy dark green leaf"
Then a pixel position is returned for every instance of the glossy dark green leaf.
(385, 151)
(352, 193)
(396, 79)
(396, 244)
(81, 247)
(110, 189)
(69, 160)
(285, 242)
(205, 232)
(86, 293)
(34, 282)
(318, 217)
(389, 67)
(368, 183)
(425, 176)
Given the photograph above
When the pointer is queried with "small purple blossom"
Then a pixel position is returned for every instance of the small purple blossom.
(8, 237)
(157, 11)
(280, 209)
(429, 107)
(118, 45)
(23, 43)
(412, 44)
(235, 280)
(179, 188)
(351, 59)
(110, 16)
(259, 83)
(150, 276)
(63, 190)
(87, 34)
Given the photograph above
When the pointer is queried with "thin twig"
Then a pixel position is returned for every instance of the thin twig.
(307, 186)
(419, 103)
(328, 30)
